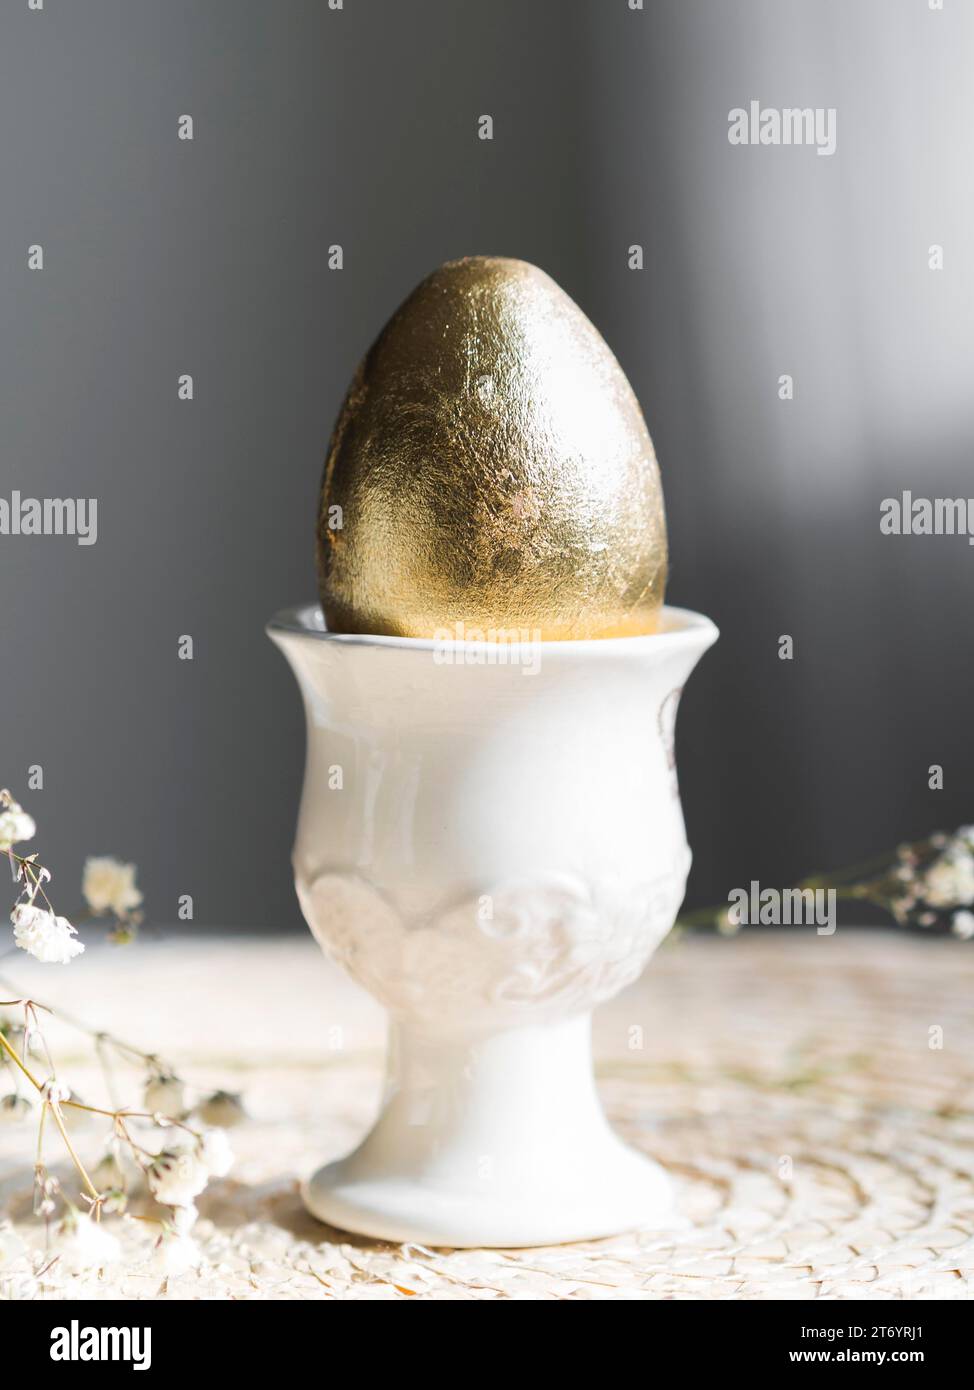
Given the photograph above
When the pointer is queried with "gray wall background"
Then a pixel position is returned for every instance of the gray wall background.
(359, 127)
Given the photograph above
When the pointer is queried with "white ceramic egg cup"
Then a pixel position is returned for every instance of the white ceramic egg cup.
(491, 841)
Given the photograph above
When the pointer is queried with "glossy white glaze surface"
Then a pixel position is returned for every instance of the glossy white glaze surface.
(489, 850)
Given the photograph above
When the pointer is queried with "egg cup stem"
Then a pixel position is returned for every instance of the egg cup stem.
(498, 1140)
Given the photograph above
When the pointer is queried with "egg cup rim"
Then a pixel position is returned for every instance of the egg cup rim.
(306, 621)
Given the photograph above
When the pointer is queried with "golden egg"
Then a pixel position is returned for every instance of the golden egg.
(490, 471)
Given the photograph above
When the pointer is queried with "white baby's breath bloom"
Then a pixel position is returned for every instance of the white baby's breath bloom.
(729, 923)
(15, 824)
(176, 1254)
(49, 939)
(176, 1177)
(13, 1109)
(55, 1091)
(165, 1095)
(949, 881)
(48, 1189)
(112, 1182)
(183, 1219)
(215, 1153)
(962, 925)
(223, 1108)
(108, 885)
(902, 907)
(108, 1174)
(84, 1244)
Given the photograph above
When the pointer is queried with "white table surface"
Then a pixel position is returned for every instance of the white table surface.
(821, 1146)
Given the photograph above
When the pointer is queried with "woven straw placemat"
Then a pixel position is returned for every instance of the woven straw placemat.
(812, 1096)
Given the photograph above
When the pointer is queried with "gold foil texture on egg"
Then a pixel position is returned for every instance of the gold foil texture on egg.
(491, 469)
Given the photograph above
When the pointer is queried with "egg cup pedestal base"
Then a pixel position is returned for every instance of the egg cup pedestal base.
(497, 1140)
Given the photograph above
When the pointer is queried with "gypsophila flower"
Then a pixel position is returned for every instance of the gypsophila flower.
(178, 1174)
(215, 1153)
(54, 1091)
(108, 1174)
(108, 885)
(13, 1109)
(901, 908)
(223, 1108)
(729, 921)
(926, 883)
(33, 876)
(962, 925)
(26, 915)
(49, 939)
(176, 1177)
(46, 1190)
(183, 1219)
(15, 823)
(85, 1244)
(165, 1095)
(949, 881)
(176, 1254)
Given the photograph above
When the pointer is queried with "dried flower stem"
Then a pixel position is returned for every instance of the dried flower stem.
(118, 1118)
(27, 868)
(176, 1174)
(54, 1108)
(924, 882)
(99, 1035)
